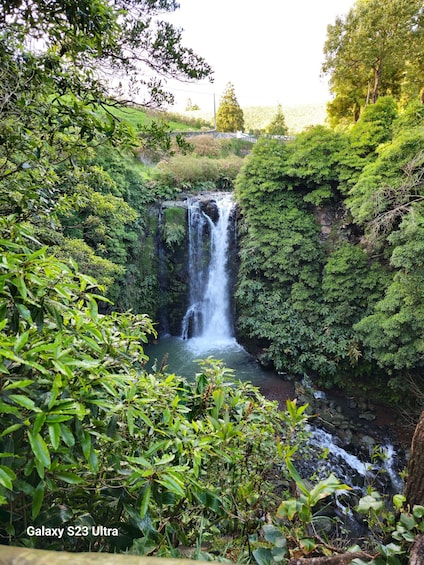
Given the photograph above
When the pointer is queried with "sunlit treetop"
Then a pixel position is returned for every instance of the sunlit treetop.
(375, 50)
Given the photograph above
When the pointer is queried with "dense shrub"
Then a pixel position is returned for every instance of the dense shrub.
(205, 146)
(88, 437)
(194, 173)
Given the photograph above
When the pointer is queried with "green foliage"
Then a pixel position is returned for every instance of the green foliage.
(374, 127)
(281, 262)
(174, 226)
(57, 115)
(295, 516)
(140, 118)
(295, 304)
(341, 315)
(394, 330)
(298, 512)
(54, 106)
(350, 284)
(126, 36)
(372, 130)
(314, 163)
(411, 117)
(393, 528)
(211, 164)
(369, 197)
(195, 173)
(89, 437)
(278, 550)
(278, 126)
(374, 50)
(105, 271)
(229, 116)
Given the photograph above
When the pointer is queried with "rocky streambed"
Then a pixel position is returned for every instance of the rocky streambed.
(363, 443)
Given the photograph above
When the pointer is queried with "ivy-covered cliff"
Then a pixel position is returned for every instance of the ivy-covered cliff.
(332, 251)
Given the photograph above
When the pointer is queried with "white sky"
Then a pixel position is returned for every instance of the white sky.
(271, 50)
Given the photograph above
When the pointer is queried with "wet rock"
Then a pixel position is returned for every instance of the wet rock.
(369, 416)
(210, 208)
(361, 404)
(346, 435)
(338, 420)
(368, 443)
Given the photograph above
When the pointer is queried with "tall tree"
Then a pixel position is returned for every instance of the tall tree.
(278, 124)
(229, 116)
(374, 50)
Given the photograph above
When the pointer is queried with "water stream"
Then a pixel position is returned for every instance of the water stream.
(207, 330)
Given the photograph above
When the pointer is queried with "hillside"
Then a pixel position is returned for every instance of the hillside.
(298, 117)
(255, 117)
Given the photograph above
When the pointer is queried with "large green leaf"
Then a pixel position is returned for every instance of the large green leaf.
(144, 506)
(54, 433)
(173, 482)
(263, 556)
(25, 402)
(70, 478)
(18, 384)
(40, 449)
(325, 488)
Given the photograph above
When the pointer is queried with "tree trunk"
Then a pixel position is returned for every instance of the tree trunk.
(417, 551)
(377, 75)
(414, 490)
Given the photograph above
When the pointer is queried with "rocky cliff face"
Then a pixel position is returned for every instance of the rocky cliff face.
(172, 266)
(336, 223)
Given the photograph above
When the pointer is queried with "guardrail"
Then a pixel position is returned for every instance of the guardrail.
(237, 135)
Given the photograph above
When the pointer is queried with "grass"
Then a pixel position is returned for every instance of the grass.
(136, 117)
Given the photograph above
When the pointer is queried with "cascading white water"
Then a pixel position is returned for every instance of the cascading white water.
(356, 472)
(208, 315)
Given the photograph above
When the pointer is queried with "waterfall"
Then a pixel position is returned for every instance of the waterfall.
(208, 315)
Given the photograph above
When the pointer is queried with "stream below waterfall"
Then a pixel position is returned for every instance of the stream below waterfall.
(349, 438)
